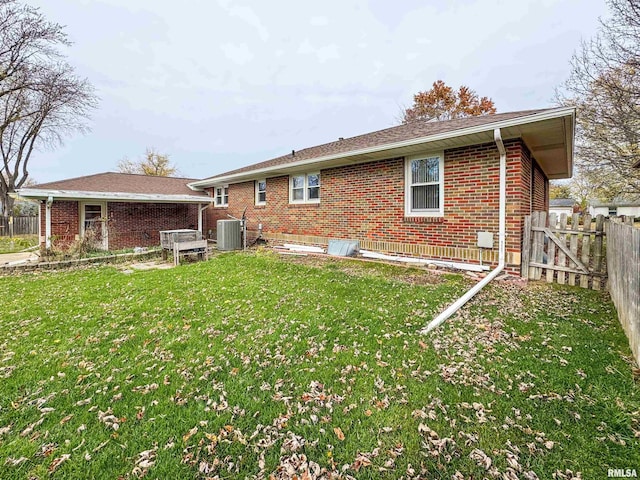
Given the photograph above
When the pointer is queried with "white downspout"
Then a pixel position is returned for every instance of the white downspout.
(201, 209)
(453, 308)
(47, 227)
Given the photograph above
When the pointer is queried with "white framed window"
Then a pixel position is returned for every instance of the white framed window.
(261, 192)
(304, 188)
(424, 185)
(221, 196)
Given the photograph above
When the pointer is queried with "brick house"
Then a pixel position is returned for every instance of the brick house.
(125, 210)
(423, 189)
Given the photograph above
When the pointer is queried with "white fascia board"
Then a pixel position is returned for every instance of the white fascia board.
(111, 196)
(487, 127)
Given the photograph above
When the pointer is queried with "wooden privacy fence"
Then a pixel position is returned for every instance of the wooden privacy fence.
(566, 250)
(623, 259)
(18, 226)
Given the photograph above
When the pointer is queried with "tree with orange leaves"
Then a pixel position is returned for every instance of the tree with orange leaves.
(444, 103)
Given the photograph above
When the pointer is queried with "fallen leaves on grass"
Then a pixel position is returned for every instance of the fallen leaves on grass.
(110, 420)
(260, 376)
(14, 462)
(58, 461)
(146, 459)
(481, 458)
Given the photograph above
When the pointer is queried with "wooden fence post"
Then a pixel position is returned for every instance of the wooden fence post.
(573, 242)
(537, 252)
(562, 257)
(597, 252)
(551, 250)
(586, 244)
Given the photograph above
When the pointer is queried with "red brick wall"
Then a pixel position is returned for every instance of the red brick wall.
(525, 182)
(130, 224)
(518, 195)
(366, 202)
(139, 224)
(540, 189)
(64, 222)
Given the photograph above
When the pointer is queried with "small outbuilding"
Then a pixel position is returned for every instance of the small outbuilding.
(122, 210)
(616, 208)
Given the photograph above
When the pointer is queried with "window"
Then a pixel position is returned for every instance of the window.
(221, 196)
(613, 211)
(92, 216)
(424, 186)
(305, 188)
(261, 192)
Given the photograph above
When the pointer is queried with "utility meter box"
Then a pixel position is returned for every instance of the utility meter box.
(485, 239)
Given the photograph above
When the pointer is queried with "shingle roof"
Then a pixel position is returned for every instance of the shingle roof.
(109, 182)
(391, 135)
(617, 202)
(562, 202)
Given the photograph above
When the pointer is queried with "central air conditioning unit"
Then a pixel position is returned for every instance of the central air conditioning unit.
(229, 235)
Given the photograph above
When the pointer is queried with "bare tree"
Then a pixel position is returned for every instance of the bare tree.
(604, 86)
(42, 100)
(153, 163)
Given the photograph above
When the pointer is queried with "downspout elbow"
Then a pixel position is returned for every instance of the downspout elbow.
(453, 308)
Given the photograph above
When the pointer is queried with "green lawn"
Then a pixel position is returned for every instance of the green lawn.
(248, 366)
(17, 243)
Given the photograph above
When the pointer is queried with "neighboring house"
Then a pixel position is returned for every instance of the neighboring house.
(421, 189)
(125, 210)
(561, 205)
(615, 208)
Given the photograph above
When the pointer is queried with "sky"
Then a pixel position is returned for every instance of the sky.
(219, 84)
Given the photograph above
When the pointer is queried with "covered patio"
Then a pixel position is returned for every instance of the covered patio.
(121, 210)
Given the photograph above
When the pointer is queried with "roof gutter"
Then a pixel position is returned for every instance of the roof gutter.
(36, 193)
(555, 113)
(453, 308)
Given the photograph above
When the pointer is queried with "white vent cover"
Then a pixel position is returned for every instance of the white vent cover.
(485, 239)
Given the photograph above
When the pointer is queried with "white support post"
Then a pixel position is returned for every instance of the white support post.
(47, 227)
(201, 210)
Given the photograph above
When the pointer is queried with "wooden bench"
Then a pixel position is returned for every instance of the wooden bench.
(192, 247)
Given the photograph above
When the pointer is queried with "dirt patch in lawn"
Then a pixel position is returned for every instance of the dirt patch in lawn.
(142, 266)
(360, 267)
